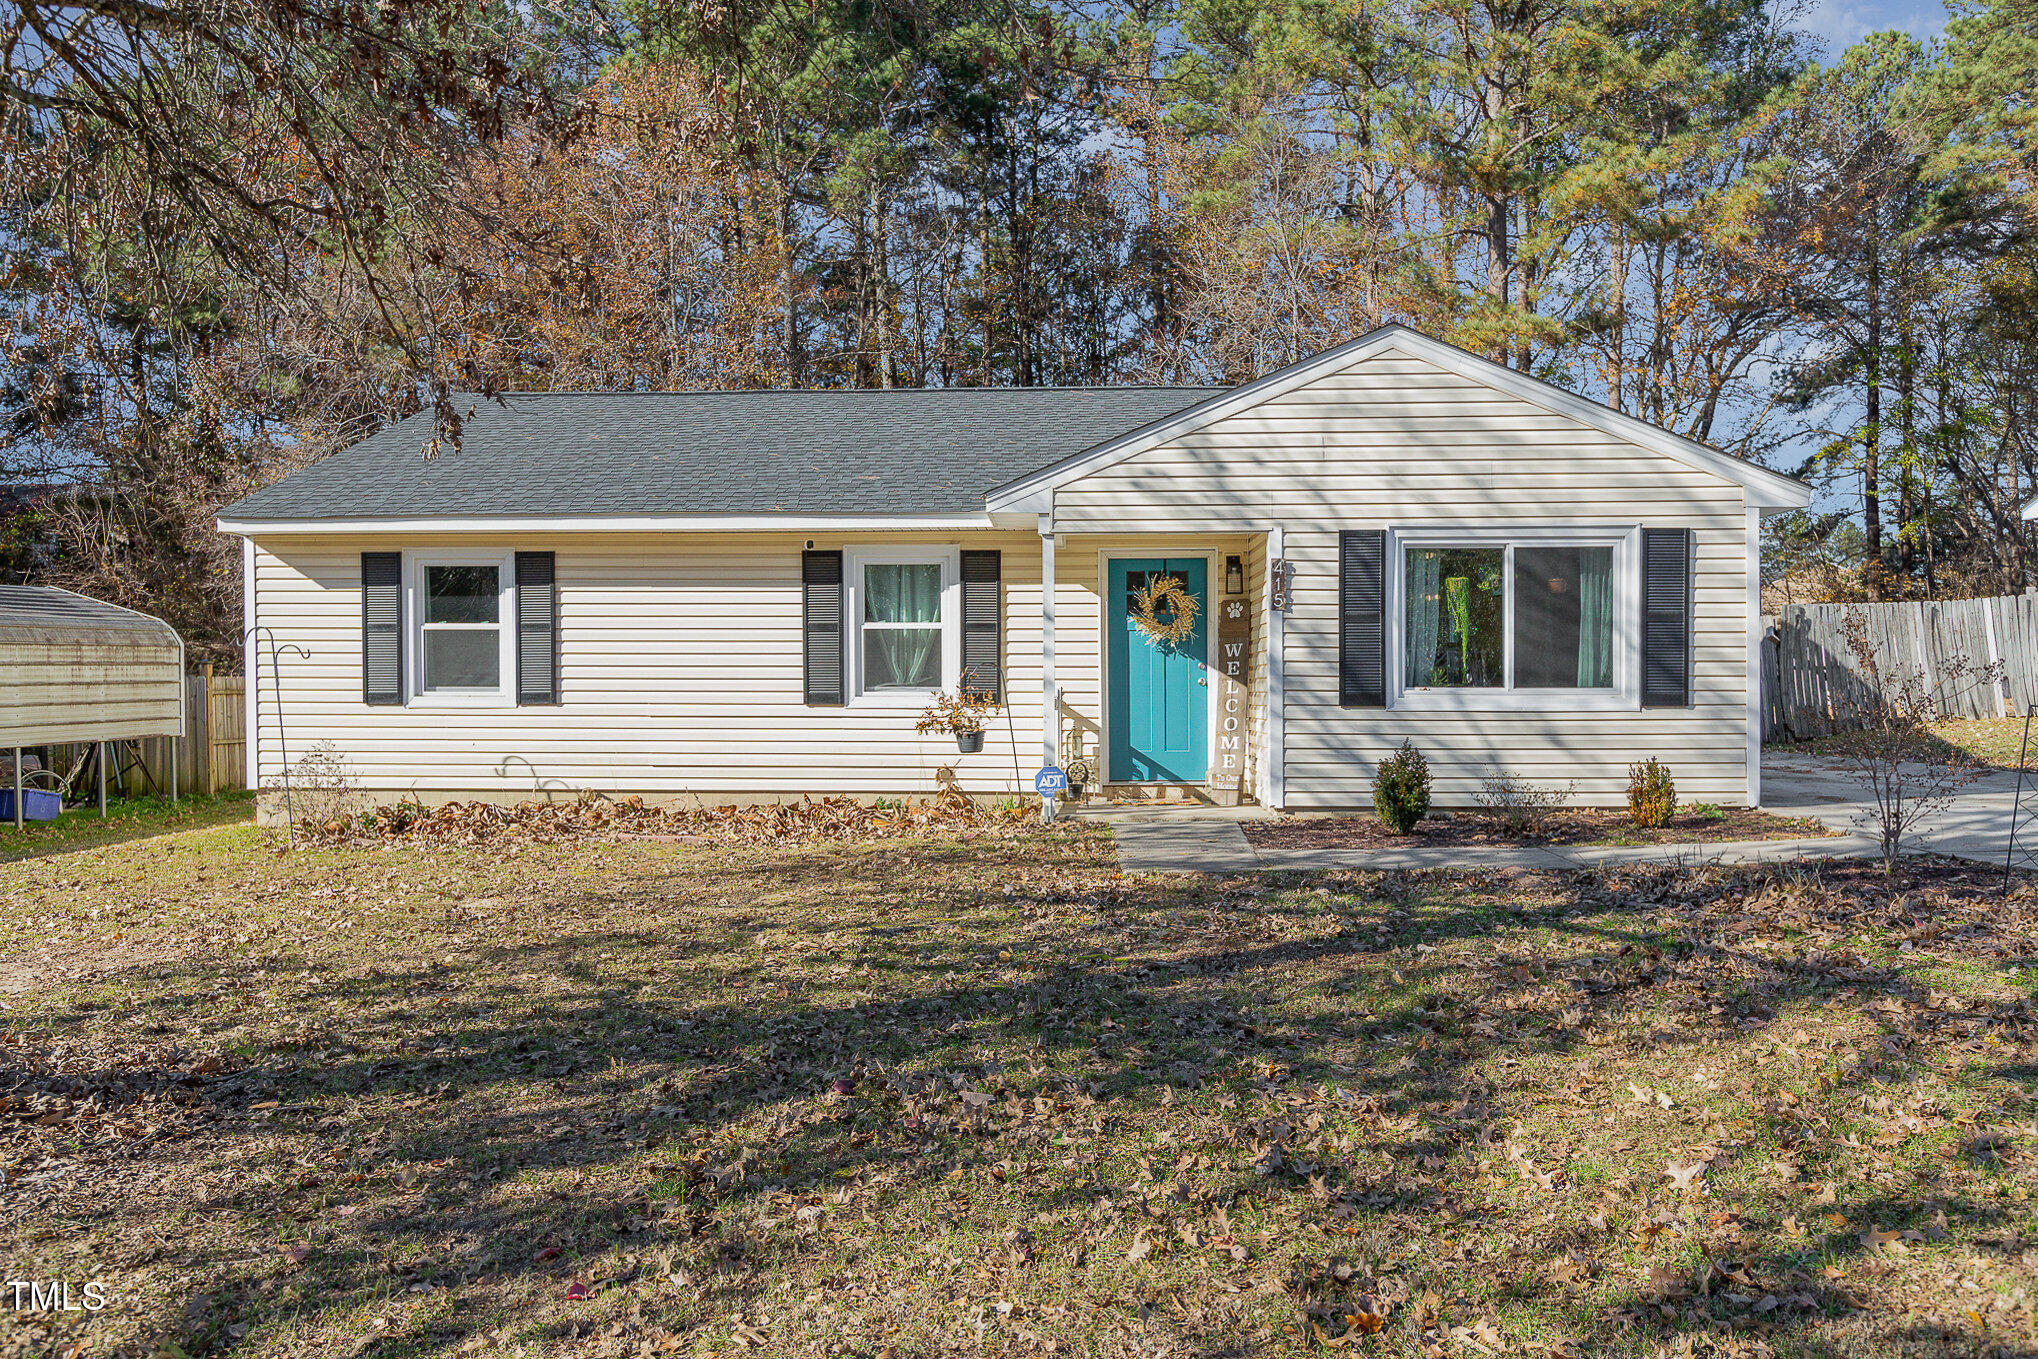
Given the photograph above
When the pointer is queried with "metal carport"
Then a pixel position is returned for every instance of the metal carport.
(76, 670)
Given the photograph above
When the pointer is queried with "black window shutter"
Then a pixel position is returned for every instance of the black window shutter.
(537, 629)
(382, 627)
(1666, 618)
(821, 582)
(1362, 618)
(982, 642)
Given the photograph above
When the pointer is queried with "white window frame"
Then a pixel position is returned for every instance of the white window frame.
(854, 559)
(504, 694)
(1624, 696)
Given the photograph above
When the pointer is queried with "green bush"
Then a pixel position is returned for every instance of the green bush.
(1401, 789)
(1652, 797)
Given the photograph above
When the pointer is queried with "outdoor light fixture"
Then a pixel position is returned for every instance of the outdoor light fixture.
(1234, 576)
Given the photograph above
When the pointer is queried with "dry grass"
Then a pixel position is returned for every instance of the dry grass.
(940, 1097)
(1989, 742)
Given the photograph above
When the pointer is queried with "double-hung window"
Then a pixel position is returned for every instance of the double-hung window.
(1518, 619)
(461, 608)
(904, 610)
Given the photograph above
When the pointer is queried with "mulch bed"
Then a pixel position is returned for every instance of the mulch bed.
(1578, 827)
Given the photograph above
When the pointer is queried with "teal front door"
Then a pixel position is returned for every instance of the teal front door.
(1159, 701)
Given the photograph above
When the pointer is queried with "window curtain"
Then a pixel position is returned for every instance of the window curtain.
(904, 593)
(1458, 599)
(1425, 615)
(1595, 619)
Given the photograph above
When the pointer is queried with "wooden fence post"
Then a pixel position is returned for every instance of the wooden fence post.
(1925, 656)
(1999, 679)
(204, 744)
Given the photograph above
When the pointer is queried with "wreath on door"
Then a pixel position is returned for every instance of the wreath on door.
(1164, 611)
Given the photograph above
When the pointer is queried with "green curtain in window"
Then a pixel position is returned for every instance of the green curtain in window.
(1595, 619)
(1458, 600)
(909, 593)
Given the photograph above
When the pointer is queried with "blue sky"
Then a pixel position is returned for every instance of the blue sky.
(1841, 22)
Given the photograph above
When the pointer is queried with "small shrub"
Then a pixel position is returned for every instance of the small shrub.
(1652, 795)
(1523, 808)
(1401, 789)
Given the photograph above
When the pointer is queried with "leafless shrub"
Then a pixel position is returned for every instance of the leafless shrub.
(320, 791)
(1524, 808)
(1910, 774)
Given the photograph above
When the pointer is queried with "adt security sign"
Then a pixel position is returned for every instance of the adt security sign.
(1050, 781)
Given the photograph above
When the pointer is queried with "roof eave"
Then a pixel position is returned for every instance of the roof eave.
(775, 522)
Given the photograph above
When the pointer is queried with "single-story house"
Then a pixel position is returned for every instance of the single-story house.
(751, 595)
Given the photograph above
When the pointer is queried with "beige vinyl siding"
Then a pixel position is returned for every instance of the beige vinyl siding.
(59, 691)
(1394, 441)
(679, 672)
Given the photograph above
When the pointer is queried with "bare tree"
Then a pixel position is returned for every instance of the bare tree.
(1909, 773)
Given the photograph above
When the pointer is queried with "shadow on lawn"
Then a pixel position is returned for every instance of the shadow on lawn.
(1108, 1024)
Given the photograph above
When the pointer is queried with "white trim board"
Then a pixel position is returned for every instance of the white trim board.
(1766, 489)
(251, 683)
(606, 523)
(1754, 680)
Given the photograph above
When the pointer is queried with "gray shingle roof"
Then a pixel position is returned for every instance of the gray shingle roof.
(917, 451)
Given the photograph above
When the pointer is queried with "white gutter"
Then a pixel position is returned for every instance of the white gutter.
(610, 523)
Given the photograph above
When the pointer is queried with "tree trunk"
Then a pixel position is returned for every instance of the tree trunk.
(1871, 429)
(1907, 459)
(1497, 268)
(1617, 281)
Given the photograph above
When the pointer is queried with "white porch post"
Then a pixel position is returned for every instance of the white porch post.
(1049, 697)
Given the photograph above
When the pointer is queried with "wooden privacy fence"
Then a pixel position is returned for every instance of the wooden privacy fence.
(213, 756)
(1813, 684)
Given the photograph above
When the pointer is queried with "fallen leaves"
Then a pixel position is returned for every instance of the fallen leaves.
(596, 814)
(896, 1095)
(1644, 1095)
(1685, 1178)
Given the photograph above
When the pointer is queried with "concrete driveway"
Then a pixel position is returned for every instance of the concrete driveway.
(1975, 825)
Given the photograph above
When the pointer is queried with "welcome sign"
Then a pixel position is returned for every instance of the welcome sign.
(1234, 661)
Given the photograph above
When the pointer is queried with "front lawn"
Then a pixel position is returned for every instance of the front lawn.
(127, 818)
(1993, 743)
(963, 1096)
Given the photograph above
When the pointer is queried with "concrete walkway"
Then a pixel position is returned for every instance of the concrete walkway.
(1181, 839)
(1210, 840)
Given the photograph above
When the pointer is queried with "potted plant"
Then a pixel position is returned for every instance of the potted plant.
(962, 714)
